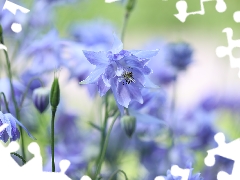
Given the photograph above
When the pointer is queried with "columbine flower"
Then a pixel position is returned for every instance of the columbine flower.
(122, 71)
(180, 55)
(11, 131)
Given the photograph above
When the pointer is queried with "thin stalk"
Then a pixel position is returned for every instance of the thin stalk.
(26, 91)
(52, 138)
(5, 101)
(104, 127)
(13, 96)
(125, 21)
(117, 171)
(19, 156)
(105, 147)
(172, 110)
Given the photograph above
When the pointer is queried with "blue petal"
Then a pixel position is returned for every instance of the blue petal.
(117, 44)
(96, 58)
(102, 88)
(93, 77)
(3, 119)
(135, 92)
(145, 118)
(20, 124)
(145, 54)
(120, 92)
(149, 84)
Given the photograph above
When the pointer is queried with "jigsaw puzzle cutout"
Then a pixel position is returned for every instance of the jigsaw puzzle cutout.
(16, 27)
(182, 9)
(177, 171)
(222, 51)
(226, 150)
(32, 169)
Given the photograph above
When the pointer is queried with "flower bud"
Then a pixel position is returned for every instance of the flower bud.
(129, 124)
(130, 5)
(55, 94)
(40, 98)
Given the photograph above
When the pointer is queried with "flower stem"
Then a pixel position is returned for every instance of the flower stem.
(19, 156)
(103, 129)
(52, 138)
(126, 17)
(13, 94)
(117, 171)
(5, 101)
(105, 147)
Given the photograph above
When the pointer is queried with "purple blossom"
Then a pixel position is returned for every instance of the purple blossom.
(45, 53)
(93, 33)
(180, 55)
(11, 131)
(122, 71)
(163, 72)
(40, 98)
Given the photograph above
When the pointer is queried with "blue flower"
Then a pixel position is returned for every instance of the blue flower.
(163, 72)
(180, 55)
(45, 53)
(96, 32)
(124, 72)
(11, 131)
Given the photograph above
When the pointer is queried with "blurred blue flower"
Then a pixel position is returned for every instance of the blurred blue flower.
(18, 90)
(180, 55)
(11, 131)
(163, 72)
(122, 71)
(45, 53)
(93, 33)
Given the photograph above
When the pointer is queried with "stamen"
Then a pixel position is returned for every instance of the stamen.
(128, 76)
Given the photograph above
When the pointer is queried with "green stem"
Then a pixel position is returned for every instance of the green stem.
(52, 137)
(26, 91)
(103, 130)
(5, 101)
(19, 156)
(105, 147)
(13, 94)
(117, 171)
(126, 17)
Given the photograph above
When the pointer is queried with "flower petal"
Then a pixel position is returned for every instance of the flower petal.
(145, 118)
(135, 92)
(102, 87)
(10, 116)
(120, 92)
(117, 44)
(145, 54)
(93, 77)
(149, 84)
(3, 119)
(96, 58)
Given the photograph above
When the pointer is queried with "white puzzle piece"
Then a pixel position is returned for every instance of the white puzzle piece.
(16, 27)
(227, 150)
(182, 9)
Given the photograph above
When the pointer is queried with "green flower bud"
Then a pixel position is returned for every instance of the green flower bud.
(55, 93)
(129, 124)
(130, 5)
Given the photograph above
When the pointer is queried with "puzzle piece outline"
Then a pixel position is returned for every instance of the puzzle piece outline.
(228, 150)
(182, 6)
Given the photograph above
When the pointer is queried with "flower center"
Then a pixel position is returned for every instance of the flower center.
(128, 76)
